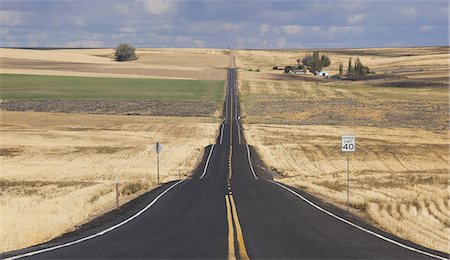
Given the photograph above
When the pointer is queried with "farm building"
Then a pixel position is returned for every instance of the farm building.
(322, 73)
(295, 72)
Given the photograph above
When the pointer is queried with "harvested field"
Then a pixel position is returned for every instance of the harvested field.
(426, 64)
(117, 107)
(399, 177)
(203, 64)
(309, 103)
(59, 169)
(399, 172)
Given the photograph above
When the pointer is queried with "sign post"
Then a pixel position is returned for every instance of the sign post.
(158, 149)
(117, 192)
(348, 145)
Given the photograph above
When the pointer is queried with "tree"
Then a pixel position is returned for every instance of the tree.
(125, 52)
(341, 70)
(315, 61)
(358, 70)
(350, 68)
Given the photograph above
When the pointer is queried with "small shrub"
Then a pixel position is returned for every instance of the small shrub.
(131, 188)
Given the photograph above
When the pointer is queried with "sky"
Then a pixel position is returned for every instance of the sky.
(219, 24)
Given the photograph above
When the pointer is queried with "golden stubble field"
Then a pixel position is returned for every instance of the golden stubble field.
(399, 174)
(58, 169)
(152, 63)
(427, 64)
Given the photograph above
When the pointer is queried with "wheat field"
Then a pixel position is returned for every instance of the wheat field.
(399, 173)
(425, 63)
(58, 169)
(168, 63)
(399, 177)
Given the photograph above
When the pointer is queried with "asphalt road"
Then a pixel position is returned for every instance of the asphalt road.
(230, 208)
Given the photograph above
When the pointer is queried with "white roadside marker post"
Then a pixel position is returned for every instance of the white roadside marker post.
(348, 145)
(158, 149)
(117, 192)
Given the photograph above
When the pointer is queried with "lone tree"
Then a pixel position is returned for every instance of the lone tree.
(315, 62)
(125, 52)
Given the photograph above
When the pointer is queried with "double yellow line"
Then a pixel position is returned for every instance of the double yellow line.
(230, 172)
(232, 216)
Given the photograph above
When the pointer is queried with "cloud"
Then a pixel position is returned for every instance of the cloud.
(426, 28)
(231, 26)
(159, 7)
(11, 18)
(188, 41)
(264, 28)
(356, 18)
(344, 29)
(85, 44)
(127, 30)
(197, 23)
(291, 29)
(408, 11)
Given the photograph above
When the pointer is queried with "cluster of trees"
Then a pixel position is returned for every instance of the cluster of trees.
(125, 52)
(355, 70)
(314, 62)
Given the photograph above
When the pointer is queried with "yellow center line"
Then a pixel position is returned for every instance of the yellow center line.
(231, 254)
(232, 216)
(242, 250)
(230, 172)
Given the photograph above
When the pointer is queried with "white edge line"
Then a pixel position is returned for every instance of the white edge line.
(250, 162)
(226, 104)
(207, 161)
(359, 227)
(226, 98)
(221, 133)
(101, 232)
(239, 132)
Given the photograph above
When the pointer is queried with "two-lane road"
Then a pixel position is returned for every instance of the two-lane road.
(230, 209)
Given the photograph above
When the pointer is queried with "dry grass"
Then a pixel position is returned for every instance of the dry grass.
(306, 103)
(425, 63)
(58, 170)
(399, 174)
(399, 177)
(152, 63)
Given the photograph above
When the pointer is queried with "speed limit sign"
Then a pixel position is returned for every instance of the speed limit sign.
(348, 143)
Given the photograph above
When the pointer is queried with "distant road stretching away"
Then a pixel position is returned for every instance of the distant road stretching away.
(229, 209)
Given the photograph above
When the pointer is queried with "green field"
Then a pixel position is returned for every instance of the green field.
(13, 86)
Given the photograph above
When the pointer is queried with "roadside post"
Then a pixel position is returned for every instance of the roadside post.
(158, 148)
(348, 145)
(117, 192)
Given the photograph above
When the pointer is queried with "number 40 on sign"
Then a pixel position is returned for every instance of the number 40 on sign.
(348, 143)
